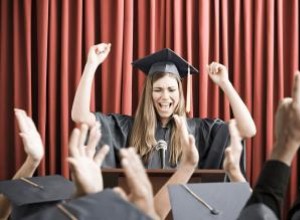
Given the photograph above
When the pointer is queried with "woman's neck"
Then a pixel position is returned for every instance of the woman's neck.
(164, 122)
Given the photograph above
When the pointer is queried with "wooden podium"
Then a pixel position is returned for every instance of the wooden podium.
(158, 177)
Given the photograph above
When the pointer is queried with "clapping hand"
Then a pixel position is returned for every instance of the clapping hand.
(85, 164)
(287, 126)
(33, 144)
(141, 192)
(190, 155)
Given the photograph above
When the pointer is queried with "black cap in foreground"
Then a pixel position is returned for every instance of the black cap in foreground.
(208, 200)
(165, 60)
(105, 205)
(27, 195)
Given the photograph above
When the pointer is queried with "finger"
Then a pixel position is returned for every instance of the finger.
(102, 48)
(71, 161)
(226, 154)
(284, 102)
(135, 160)
(227, 158)
(184, 127)
(121, 193)
(93, 140)
(134, 167)
(212, 68)
(190, 152)
(227, 151)
(129, 173)
(296, 89)
(73, 143)
(108, 48)
(82, 139)
(181, 124)
(229, 154)
(101, 154)
(19, 111)
(219, 67)
(97, 50)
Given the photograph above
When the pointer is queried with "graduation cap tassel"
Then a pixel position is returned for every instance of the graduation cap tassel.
(31, 183)
(66, 212)
(188, 92)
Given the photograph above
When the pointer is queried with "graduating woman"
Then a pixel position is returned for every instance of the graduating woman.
(153, 127)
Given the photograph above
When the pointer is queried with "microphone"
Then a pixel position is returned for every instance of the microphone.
(161, 146)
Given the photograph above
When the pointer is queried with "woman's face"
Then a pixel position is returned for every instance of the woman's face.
(165, 95)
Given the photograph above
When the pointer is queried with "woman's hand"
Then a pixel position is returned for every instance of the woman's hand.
(98, 53)
(32, 141)
(190, 155)
(218, 73)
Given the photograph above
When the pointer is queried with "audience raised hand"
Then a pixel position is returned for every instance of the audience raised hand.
(187, 166)
(269, 191)
(287, 126)
(84, 161)
(231, 163)
(141, 192)
(33, 146)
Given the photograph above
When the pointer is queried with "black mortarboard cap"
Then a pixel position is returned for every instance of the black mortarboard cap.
(165, 60)
(103, 205)
(27, 195)
(225, 200)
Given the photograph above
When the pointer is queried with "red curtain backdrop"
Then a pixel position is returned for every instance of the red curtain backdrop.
(44, 44)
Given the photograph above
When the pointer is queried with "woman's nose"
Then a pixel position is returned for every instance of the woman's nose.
(165, 94)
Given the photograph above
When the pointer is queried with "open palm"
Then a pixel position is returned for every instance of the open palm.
(31, 138)
(85, 164)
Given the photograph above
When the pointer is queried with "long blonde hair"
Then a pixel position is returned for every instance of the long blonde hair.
(145, 123)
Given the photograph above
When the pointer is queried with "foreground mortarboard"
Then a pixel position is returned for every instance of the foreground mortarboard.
(225, 200)
(166, 60)
(28, 195)
(105, 205)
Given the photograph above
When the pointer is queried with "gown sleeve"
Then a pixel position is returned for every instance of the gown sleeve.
(212, 137)
(115, 129)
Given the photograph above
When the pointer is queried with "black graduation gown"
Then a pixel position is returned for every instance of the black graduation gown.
(211, 138)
